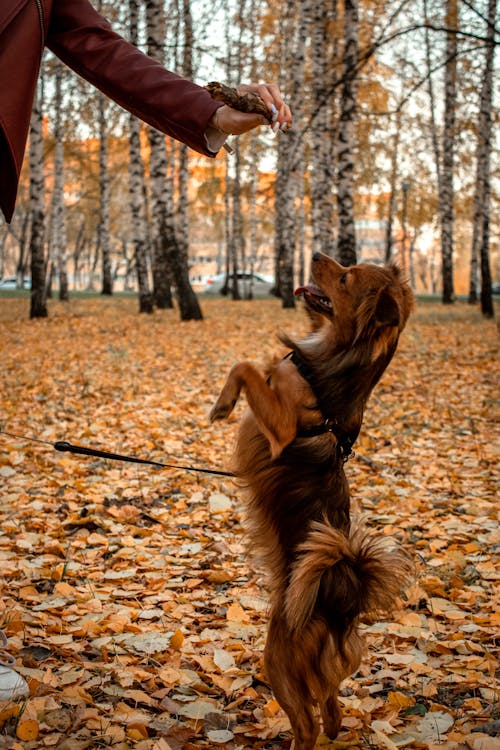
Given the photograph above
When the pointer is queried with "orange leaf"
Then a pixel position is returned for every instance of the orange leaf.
(27, 730)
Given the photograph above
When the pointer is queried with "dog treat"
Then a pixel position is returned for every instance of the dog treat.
(248, 102)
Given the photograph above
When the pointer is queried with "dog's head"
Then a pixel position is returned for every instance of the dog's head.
(357, 304)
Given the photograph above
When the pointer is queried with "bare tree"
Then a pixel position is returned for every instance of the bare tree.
(290, 178)
(38, 306)
(448, 153)
(346, 243)
(136, 184)
(163, 230)
(481, 218)
(58, 237)
(188, 302)
(104, 233)
(321, 14)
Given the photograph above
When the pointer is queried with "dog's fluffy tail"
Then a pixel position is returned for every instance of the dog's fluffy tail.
(339, 578)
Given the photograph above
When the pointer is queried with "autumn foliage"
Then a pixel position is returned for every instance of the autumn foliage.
(128, 596)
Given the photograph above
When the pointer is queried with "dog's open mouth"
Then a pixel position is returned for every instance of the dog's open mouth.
(315, 298)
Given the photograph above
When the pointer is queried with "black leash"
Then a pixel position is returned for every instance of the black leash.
(65, 447)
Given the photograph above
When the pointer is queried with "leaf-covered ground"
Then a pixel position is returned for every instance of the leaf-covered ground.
(126, 592)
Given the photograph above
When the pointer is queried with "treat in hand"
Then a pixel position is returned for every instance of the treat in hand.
(248, 102)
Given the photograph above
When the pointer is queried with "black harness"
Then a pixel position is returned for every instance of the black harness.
(344, 440)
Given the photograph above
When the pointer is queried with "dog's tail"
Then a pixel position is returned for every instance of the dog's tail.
(339, 578)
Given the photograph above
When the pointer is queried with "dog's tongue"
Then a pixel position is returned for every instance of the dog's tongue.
(310, 289)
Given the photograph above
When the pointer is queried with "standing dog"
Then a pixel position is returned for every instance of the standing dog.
(304, 418)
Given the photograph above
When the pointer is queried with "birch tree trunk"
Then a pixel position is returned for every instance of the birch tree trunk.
(481, 230)
(434, 132)
(238, 243)
(228, 236)
(170, 261)
(136, 183)
(23, 259)
(321, 14)
(290, 182)
(448, 151)
(38, 302)
(483, 166)
(58, 222)
(104, 235)
(254, 173)
(346, 243)
(161, 188)
(237, 234)
(188, 301)
(393, 186)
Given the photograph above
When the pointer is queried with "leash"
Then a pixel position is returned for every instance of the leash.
(65, 447)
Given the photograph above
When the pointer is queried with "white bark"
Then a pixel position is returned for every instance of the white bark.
(38, 307)
(346, 244)
(58, 240)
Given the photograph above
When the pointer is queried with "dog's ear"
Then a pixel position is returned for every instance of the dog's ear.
(387, 309)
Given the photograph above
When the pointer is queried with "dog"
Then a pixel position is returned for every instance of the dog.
(305, 415)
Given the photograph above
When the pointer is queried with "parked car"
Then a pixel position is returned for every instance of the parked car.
(10, 282)
(259, 283)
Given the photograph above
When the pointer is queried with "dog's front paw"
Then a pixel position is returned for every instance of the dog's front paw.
(221, 410)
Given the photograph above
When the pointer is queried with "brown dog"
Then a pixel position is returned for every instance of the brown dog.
(305, 416)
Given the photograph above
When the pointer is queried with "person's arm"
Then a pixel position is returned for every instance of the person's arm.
(85, 42)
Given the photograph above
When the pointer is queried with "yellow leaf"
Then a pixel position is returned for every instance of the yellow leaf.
(64, 589)
(27, 730)
(236, 613)
(400, 700)
(7, 713)
(271, 708)
(137, 732)
(177, 640)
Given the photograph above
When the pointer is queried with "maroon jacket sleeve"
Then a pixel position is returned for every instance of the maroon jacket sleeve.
(84, 40)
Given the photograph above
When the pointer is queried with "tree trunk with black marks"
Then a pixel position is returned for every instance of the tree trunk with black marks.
(163, 232)
(481, 220)
(38, 302)
(290, 177)
(321, 15)
(104, 233)
(58, 240)
(448, 152)
(136, 188)
(188, 301)
(346, 242)
(389, 240)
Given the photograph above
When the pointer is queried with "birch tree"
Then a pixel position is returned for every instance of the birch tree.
(481, 217)
(136, 186)
(161, 188)
(448, 152)
(188, 302)
(104, 233)
(38, 302)
(238, 243)
(23, 256)
(58, 240)
(346, 241)
(290, 176)
(322, 14)
(170, 262)
(392, 189)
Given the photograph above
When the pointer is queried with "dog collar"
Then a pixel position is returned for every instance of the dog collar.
(344, 441)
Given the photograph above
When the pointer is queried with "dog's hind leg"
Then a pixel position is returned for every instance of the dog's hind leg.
(331, 715)
(284, 668)
(305, 727)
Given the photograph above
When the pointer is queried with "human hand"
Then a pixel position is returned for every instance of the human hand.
(234, 122)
